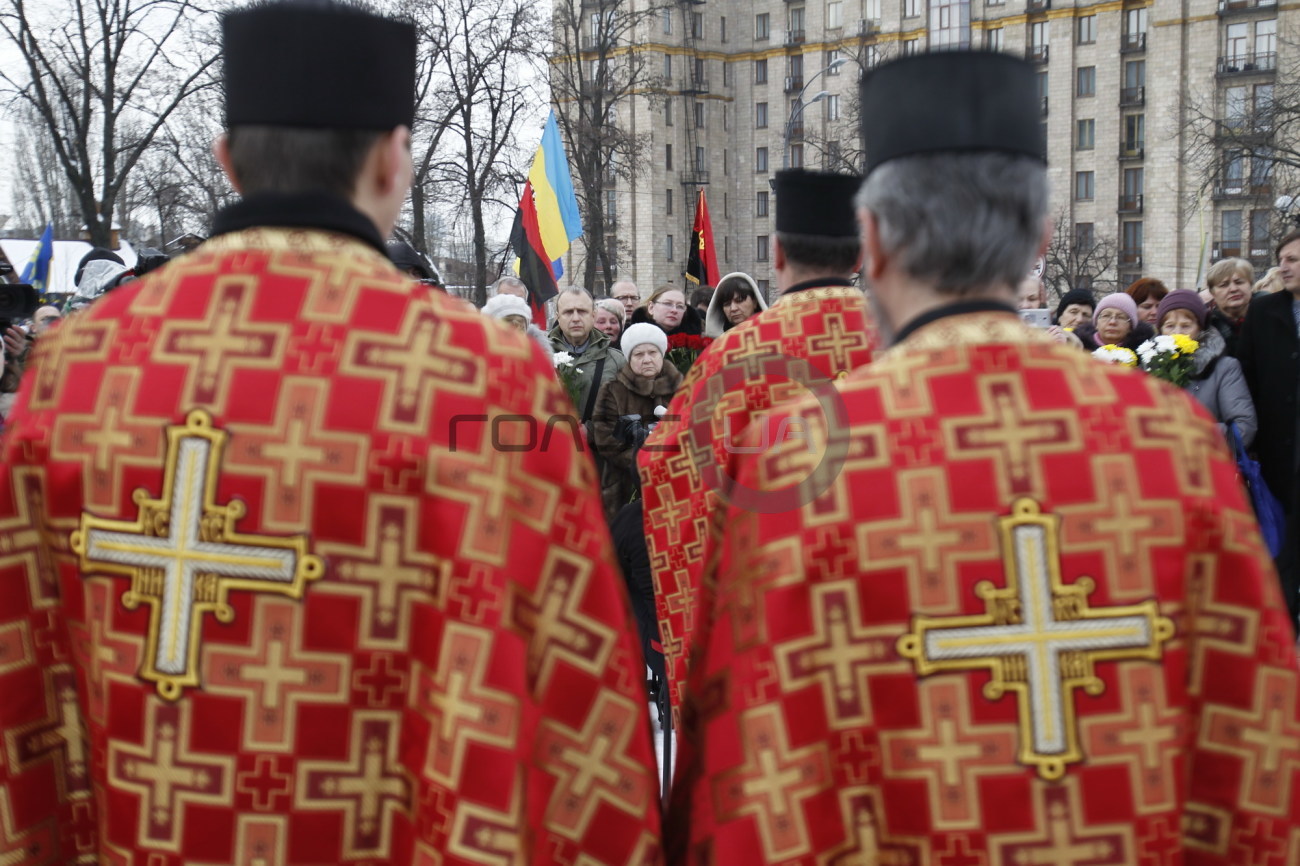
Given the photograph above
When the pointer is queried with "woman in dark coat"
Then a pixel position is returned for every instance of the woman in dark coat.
(627, 408)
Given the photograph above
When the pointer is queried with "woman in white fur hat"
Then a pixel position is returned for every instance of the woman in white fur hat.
(627, 408)
(513, 311)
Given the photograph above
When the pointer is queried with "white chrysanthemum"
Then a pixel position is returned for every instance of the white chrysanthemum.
(562, 358)
(1147, 351)
(1165, 343)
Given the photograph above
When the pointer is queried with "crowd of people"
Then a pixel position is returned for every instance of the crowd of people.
(311, 562)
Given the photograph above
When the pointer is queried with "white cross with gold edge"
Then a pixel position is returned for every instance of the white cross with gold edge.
(184, 556)
(1038, 638)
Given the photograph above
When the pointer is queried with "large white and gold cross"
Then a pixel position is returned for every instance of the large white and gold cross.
(183, 555)
(1038, 638)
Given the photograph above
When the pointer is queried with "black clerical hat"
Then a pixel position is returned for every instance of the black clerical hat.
(322, 65)
(954, 101)
(816, 203)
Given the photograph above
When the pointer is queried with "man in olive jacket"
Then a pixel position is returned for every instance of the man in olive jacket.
(598, 361)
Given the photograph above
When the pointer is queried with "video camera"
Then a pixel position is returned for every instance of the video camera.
(17, 302)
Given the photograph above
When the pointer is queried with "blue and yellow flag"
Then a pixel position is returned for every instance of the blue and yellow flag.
(37, 272)
(558, 220)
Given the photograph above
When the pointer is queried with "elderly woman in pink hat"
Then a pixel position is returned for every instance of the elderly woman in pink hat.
(1115, 323)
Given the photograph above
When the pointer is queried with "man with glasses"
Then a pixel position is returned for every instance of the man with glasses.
(626, 293)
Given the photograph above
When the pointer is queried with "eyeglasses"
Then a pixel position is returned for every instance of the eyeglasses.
(1113, 317)
(627, 298)
(679, 307)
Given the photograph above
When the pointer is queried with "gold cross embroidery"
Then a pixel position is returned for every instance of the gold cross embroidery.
(1038, 638)
(184, 556)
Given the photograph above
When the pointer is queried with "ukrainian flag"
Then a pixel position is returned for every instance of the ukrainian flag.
(558, 220)
(37, 272)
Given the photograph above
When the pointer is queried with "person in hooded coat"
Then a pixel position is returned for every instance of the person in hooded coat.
(735, 300)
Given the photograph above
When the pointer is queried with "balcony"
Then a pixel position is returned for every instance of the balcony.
(793, 83)
(1133, 96)
(794, 131)
(1130, 203)
(1043, 106)
(795, 37)
(1131, 257)
(1251, 125)
(694, 85)
(1038, 5)
(1229, 249)
(1246, 63)
(1235, 7)
(1131, 42)
(868, 27)
(1038, 53)
(1130, 150)
(699, 177)
(1238, 188)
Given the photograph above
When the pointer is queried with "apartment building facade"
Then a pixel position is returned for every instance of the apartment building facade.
(744, 88)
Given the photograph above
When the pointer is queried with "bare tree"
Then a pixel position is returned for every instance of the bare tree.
(593, 77)
(1079, 258)
(41, 190)
(103, 76)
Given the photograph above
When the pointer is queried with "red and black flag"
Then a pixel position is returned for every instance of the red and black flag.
(702, 261)
(534, 267)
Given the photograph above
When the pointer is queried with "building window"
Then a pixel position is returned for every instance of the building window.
(1259, 236)
(1130, 252)
(1266, 43)
(995, 2)
(1134, 133)
(1262, 163)
(833, 57)
(1135, 27)
(760, 71)
(1233, 171)
(760, 248)
(699, 115)
(1088, 30)
(796, 156)
(993, 39)
(949, 24)
(1134, 179)
(762, 26)
(1234, 107)
(1083, 186)
(668, 157)
(833, 107)
(668, 112)
(722, 29)
(726, 163)
(697, 25)
(726, 116)
(911, 46)
(760, 115)
(726, 74)
(668, 201)
(1238, 42)
(726, 248)
(796, 19)
(1085, 134)
(760, 159)
(701, 160)
(668, 247)
(760, 203)
(1086, 81)
(1039, 34)
(668, 66)
(834, 15)
(762, 287)
(668, 20)
(911, 8)
(1084, 237)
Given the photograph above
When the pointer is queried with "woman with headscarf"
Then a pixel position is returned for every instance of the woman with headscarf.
(735, 299)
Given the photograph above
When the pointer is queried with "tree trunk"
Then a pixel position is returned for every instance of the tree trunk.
(418, 235)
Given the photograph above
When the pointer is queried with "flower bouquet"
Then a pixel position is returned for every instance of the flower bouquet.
(1169, 357)
(683, 349)
(566, 369)
(1112, 354)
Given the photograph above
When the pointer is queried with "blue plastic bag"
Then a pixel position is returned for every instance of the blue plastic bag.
(1268, 511)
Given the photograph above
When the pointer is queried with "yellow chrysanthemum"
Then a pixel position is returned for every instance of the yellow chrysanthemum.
(1186, 345)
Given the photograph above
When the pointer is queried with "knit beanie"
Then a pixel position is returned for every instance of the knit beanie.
(500, 306)
(1182, 299)
(1119, 301)
(641, 333)
(1075, 296)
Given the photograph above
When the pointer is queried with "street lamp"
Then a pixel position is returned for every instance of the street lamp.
(800, 104)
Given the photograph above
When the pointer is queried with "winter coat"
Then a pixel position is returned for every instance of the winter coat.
(1269, 351)
(625, 414)
(1219, 385)
(692, 322)
(540, 338)
(598, 349)
(1229, 329)
(628, 532)
(715, 319)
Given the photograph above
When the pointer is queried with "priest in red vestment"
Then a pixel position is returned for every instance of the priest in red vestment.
(1025, 615)
(288, 579)
(816, 330)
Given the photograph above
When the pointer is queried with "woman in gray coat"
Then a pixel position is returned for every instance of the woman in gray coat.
(1217, 381)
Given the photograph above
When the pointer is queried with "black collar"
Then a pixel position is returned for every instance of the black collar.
(958, 308)
(818, 283)
(304, 210)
